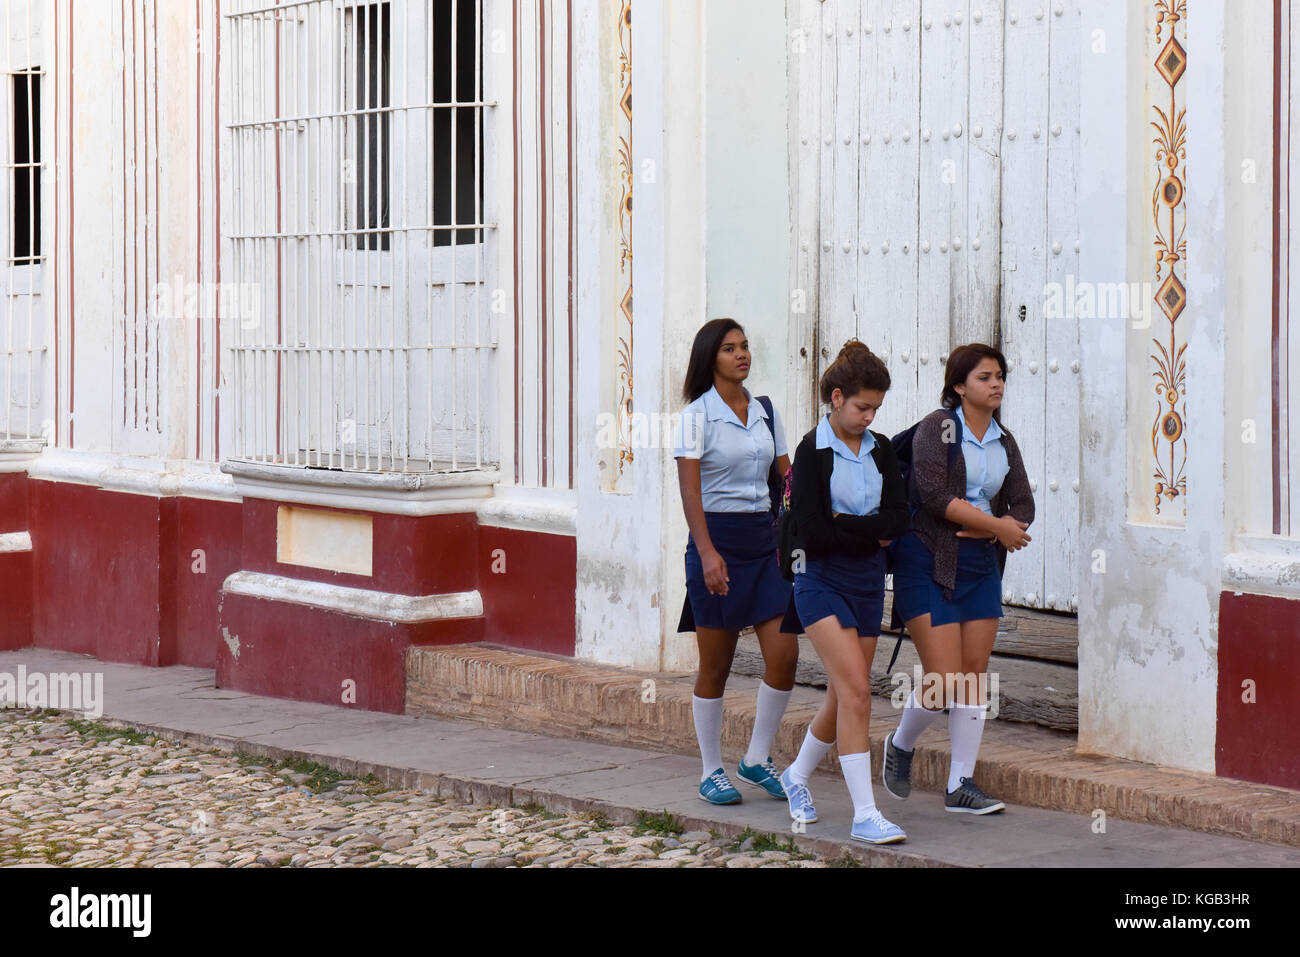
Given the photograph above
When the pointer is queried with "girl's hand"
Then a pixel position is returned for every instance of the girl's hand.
(715, 572)
(968, 532)
(1012, 534)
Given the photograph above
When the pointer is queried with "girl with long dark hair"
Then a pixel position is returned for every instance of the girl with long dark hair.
(848, 503)
(726, 446)
(974, 505)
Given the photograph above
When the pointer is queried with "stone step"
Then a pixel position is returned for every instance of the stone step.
(1019, 763)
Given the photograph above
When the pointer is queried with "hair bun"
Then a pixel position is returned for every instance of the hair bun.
(853, 349)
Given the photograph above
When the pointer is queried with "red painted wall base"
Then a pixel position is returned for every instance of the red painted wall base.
(308, 654)
(15, 567)
(15, 600)
(139, 579)
(1258, 736)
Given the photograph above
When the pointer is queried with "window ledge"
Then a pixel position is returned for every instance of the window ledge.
(16, 455)
(134, 476)
(395, 493)
(1264, 566)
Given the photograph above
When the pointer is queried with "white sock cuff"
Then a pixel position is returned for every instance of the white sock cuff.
(852, 759)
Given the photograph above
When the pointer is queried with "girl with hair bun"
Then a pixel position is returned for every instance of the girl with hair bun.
(728, 445)
(847, 503)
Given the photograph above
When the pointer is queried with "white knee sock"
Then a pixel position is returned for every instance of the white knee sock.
(915, 720)
(857, 775)
(811, 753)
(965, 729)
(767, 719)
(708, 731)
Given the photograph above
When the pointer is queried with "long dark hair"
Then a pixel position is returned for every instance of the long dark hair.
(704, 354)
(962, 361)
(856, 368)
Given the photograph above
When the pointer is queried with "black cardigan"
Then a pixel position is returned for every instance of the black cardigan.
(822, 535)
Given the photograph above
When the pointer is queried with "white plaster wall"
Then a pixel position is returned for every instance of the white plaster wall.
(1148, 618)
(1248, 184)
(622, 557)
(97, 242)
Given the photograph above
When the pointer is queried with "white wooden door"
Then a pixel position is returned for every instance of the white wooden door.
(934, 149)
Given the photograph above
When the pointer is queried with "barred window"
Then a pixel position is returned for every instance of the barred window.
(25, 399)
(361, 234)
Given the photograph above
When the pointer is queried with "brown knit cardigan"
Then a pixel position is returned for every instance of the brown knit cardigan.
(937, 486)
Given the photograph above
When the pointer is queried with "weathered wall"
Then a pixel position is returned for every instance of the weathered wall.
(1149, 614)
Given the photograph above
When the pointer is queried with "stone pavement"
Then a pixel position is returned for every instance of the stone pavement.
(79, 793)
(467, 762)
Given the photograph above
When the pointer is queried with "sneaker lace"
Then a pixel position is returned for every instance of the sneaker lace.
(769, 767)
(973, 789)
(799, 793)
(878, 819)
(720, 780)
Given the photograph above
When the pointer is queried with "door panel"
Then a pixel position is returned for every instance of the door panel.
(934, 153)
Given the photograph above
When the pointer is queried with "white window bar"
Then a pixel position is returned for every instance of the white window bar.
(360, 245)
(22, 354)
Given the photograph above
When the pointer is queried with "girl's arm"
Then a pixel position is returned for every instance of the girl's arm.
(930, 466)
(811, 511)
(1020, 498)
(715, 568)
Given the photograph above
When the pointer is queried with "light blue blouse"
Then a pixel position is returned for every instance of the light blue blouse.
(986, 464)
(856, 483)
(734, 458)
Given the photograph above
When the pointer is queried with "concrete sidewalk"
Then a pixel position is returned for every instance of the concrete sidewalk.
(468, 761)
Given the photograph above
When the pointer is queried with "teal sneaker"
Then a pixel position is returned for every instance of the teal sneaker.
(763, 776)
(717, 789)
(877, 830)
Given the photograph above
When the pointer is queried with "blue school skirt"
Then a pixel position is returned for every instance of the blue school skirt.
(978, 590)
(852, 589)
(756, 591)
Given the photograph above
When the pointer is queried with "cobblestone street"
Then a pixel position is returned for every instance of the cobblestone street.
(81, 793)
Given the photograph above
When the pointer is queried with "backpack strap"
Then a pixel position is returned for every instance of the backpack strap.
(766, 403)
(775, 480)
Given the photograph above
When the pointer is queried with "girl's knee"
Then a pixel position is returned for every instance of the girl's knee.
(855, 695)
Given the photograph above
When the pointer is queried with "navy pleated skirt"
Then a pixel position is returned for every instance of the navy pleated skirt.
(978, 591)
(756, 591)
(853, 590)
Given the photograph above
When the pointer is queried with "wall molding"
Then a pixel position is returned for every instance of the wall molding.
(360, 602)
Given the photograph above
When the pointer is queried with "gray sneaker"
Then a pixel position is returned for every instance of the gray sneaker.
(896, 774)
(969, 799)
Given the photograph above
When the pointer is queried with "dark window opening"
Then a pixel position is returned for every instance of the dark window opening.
(467, 87)
(27, 168)
(373, 129)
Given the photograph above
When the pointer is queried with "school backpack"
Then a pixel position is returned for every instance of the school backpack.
(785, 529)
(902, 444)
(773, 477)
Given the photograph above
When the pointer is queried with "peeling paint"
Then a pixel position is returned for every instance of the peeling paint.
(232, 642)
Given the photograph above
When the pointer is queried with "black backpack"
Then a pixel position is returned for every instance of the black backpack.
(902, 444)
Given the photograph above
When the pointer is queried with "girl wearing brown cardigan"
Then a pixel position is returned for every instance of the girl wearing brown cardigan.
(971, 505)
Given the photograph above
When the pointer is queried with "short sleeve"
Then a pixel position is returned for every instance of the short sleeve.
(689, 440)
(779, 434)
